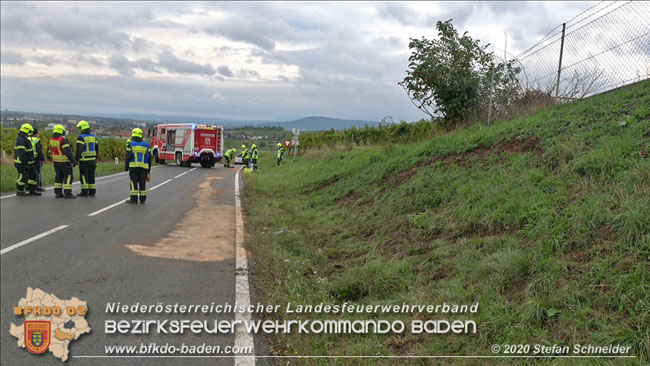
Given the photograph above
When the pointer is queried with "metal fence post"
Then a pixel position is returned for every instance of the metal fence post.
(559, 67)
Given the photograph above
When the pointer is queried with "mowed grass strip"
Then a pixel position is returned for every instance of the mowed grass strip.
(544, 220)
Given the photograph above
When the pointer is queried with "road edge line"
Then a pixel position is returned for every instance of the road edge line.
(243, 339)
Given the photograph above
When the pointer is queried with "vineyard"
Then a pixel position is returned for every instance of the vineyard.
(109, 147)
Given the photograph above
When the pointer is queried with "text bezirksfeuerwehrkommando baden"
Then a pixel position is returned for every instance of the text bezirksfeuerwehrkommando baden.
(289, 308)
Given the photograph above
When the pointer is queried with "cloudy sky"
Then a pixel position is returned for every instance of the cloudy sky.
(242, 60)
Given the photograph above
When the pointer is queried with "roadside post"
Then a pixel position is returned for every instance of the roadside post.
(287, 144)
(117, 160)
(296, 141)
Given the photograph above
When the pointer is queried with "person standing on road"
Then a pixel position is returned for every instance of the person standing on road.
(39, 158)
(244, 155)
(280, 153)
(63, 163)
(229, 156)
(138, 163)
(87, 152)
(254, 156)
(24, 162)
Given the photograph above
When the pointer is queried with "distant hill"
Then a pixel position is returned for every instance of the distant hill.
(315, 123)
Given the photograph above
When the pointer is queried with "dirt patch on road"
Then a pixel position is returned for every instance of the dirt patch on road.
(205, 234)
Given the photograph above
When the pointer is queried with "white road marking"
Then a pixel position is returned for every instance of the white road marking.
(193, 169)
(243, 339)
(180, 175)
(165, 182)
(33, 238)
(106, 208)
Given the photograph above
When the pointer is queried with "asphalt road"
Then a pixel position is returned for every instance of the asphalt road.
(176, 248)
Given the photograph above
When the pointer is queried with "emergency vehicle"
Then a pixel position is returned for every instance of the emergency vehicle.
(187, 143)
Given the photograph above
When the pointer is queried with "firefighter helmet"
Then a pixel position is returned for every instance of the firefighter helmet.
(279, 144)
(82, 125)
(59, 129)
(253, 146)
(137, 133)
(243, 147)
(27, 128)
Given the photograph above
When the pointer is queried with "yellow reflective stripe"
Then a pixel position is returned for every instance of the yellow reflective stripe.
(66, 145)
(19, 147)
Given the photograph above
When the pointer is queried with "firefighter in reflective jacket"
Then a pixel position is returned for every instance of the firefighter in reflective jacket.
(230, 154)
(39, 157)
(280, 153)
(87, 152)
(24, 162)
(63, 163)
(254, 156)
(245, 155)
(138, 163)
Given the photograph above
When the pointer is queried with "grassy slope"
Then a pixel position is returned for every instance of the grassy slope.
(9, 174)
(544, 220)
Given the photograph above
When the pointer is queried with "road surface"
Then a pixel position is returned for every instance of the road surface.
(179, 247)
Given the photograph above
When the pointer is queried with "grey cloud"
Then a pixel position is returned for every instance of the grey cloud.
(45, 60)
(225, 71)
(399, 12)
(146, 64)
(12, 58)
(247, 74)
(121, 64)
(172, 63)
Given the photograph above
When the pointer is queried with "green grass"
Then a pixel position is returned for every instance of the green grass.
(9, 174)
(544, 220)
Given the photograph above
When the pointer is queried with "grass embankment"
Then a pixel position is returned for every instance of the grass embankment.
(9, 174)
(543, 220)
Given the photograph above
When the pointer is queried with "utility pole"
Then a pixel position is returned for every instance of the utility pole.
(559, 67)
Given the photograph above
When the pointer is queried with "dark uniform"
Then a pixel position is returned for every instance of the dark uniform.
(138, 163)
(24, 163)
(87, 152)
(39, 158)
(64, 161)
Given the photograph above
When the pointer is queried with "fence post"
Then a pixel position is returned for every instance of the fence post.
(559, 67)
(491, 95)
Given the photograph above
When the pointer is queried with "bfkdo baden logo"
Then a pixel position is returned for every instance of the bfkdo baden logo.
(37, 335)
(50, 323)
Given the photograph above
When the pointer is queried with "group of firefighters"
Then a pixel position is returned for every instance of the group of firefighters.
(29, 158)
(249, 157)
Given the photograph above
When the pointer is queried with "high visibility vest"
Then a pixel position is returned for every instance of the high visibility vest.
(244, 154)
(89, 152)
(229, 153)
(35, 140)
(255, 154)
(57, 144)
(140, 154)
(280, 152)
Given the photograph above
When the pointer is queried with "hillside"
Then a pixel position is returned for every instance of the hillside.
(543, 220)
(315, 123)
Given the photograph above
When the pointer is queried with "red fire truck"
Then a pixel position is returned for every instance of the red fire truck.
(187, 143)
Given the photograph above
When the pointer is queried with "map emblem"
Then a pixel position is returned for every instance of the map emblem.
(37, 335)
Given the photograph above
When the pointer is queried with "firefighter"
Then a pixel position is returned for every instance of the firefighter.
(24, 162)
(87, 152)
(138, 163)
(229, 156)
(244, 155)
(254, 156)
(39, 158)
(280, 153)
(64, 161)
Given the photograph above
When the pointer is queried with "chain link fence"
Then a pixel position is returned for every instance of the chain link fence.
(602, 48)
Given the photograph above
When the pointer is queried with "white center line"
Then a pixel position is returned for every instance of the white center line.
(165, 182)
(33, 238)
(193, 169)
(243, 339)
(180, 175)
(106, 208)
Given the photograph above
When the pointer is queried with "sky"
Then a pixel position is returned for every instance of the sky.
(239, 60)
